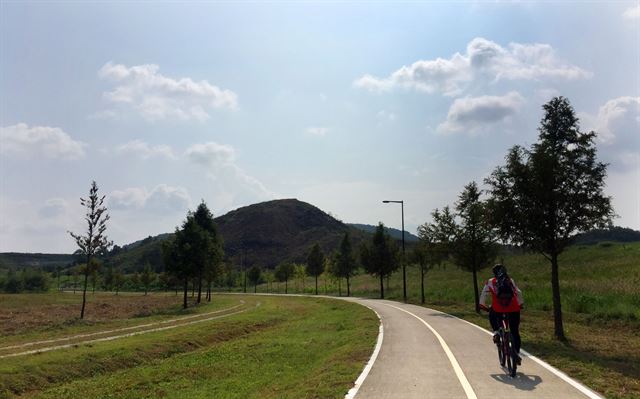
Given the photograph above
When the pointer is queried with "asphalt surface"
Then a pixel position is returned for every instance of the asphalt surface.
(413, 362)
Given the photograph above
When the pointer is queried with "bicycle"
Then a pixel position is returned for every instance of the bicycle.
(507, 355)
(506, 351)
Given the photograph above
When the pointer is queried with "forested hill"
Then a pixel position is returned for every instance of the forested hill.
(395, 233)
(266, 234)
(617, 234)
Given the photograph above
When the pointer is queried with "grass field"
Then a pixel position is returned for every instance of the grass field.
(277, 348)
(600, 288)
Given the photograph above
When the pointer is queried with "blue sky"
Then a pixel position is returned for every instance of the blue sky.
(339, 105)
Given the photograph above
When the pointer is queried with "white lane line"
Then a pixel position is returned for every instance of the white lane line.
(356, 386)
(580, 387)
(49, 341)
(456, 366)
(51, 348)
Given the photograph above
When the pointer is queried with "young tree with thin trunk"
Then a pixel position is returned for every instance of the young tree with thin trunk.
(346, 265)
(542, 196)
(95, 241)
(284, 272)
(315, 263)
(254, 276)
(118, 280)
(474, 247)
(381, 257)
(147, 277)
(207, 267)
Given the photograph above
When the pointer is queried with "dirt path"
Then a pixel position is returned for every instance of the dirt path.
(112, 334)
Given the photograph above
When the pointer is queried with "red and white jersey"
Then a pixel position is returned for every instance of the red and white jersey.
(491, 287)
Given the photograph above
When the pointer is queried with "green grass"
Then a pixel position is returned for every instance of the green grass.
(285, 348)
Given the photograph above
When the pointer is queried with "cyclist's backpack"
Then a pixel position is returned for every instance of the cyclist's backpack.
(504, 291)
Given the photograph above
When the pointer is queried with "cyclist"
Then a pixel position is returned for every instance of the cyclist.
(506, 297)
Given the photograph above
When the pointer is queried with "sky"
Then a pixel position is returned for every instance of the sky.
(341, 105)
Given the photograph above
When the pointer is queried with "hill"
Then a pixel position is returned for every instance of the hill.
(395, 233)
(265, 234)
(614, 234)
(48, 262)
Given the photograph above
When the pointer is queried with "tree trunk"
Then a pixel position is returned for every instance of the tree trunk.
(475, 289)
(316, 285)
(422, 285)
(348, 287)
(209, 292)
(382, 286)
(186, 288)
(199, 285)
(339, 286)
(286, 282)
(557, 310)
(193, 288)
(84, 292)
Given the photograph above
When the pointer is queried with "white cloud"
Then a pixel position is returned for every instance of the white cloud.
(632, 13)
(231, 183)
(158, 97)
(317, 131)
(162, 198)
(483, 60)
(211, 154)
(145, 151)
(472, 114)
(53, 207)
(618, 126)
(39, 141)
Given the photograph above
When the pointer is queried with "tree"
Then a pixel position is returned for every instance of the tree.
(315, 263)
(474, 246)
(346, 265)
(182, 253)
(301, 274)
(147, 277)
(254, 276)
(95, 241)
(108, 278)
(284, 272)
(429, 251)
(208, 266)
(118, 280)
(381, 257)
(544, 195)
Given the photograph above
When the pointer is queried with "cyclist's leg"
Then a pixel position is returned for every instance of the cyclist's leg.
(494, 319)
(514, 326)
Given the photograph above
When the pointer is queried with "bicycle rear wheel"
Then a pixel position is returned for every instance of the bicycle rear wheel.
(514, 358)
(508, 354)
(501, 354)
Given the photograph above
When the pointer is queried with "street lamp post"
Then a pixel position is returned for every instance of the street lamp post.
(404, 270)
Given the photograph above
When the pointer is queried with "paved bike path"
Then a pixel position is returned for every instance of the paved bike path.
(413, 362)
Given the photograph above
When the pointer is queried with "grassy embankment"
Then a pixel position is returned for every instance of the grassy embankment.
(600, 288)
(281, 348)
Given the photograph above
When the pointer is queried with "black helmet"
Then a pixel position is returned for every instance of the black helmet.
(499, 271)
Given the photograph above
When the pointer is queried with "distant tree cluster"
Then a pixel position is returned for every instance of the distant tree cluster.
(28, 280)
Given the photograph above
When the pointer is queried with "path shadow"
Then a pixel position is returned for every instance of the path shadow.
(446, 316)
(521, 381)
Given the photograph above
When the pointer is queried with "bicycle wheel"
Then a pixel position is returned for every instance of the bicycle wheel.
(507, 349)
(501, 354)
(514, 358)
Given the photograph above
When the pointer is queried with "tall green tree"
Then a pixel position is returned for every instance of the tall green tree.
(147, 277)
(208, 267)
(315, 263)
(544, 195)
(474, 247)
(95, 241)
(427, 253)
(381, 257)
(346, 264)
(254, 276)
(284, 272)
